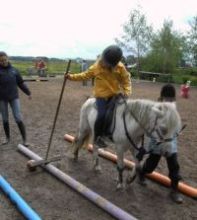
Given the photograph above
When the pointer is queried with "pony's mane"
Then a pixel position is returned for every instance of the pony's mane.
(140, 107)
(172, 116)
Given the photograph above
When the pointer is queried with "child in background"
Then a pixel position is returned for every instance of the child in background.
(185, 89)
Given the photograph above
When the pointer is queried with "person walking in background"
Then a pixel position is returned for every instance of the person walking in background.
(41, 67)
(110, 79)
(167, 94)
(10, 79)
(185, 89)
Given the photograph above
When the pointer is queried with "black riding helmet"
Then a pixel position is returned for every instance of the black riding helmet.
(112, 55)
(168, 92)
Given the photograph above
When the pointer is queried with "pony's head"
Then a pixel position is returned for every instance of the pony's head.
(166, 121)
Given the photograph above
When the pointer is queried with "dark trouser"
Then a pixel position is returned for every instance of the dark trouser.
(102, 105)
(15, 106)
(6, 130)
(22, 130)
(173, 167)
(41, 72)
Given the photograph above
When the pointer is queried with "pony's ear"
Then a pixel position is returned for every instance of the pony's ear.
(158, 110)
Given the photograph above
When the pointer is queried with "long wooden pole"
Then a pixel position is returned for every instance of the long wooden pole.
(33, 164)
(92, 196)
(57, 110)
(162, 179)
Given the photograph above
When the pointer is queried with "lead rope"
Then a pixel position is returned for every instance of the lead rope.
(169, 139)
(141, 150)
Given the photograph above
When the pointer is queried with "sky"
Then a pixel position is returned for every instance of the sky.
(71, 29)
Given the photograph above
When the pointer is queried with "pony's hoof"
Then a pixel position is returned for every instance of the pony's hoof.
(116, 179)
(75, 158)
(58, 165)
(97, 169)
(120, 187)
(130, 179)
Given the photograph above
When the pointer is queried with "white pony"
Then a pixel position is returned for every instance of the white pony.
(133, 119)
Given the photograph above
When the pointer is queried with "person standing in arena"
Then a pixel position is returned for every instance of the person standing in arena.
(10, 79)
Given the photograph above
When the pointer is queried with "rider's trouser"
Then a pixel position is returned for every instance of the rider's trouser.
(102, 105)
(173, 167)
(15, 106)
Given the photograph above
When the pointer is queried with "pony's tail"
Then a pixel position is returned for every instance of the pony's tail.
(86, 141)
(81, 143)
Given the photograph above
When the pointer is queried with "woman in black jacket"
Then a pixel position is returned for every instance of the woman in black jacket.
(10, 79)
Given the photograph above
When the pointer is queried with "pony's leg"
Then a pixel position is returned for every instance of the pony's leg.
(97, 166)
(78, 143)
(132, 175)
(120, 168)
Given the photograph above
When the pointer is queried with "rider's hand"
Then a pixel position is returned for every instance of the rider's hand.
(67, 76)
(123, 95)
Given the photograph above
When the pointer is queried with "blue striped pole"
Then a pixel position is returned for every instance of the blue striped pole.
(24, 208)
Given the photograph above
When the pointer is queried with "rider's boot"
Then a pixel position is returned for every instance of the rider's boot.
(21, 127)
(7, 132)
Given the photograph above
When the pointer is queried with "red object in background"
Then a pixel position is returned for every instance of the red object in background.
(185, 91)
(40, 64)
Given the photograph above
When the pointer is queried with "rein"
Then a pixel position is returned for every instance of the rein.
(168, 139)
(145, 130)
(141, 150)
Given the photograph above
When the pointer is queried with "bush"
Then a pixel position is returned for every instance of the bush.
(194, 81)
(185, 79)
(53, 67)
(180, 79)
(165, 78)
(192, 71)
(134, 73)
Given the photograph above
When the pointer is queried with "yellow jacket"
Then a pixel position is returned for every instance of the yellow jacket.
(106, 83)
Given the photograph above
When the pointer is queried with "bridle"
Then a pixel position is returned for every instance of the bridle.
(163, 140)
(141, 150)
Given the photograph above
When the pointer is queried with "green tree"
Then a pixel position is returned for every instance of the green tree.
(136, 35)
(192, 41)
(166, 50)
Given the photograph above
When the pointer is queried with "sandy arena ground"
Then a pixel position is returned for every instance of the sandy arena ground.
(54, 200)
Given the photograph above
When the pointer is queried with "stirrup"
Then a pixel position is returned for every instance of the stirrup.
(142, 180)
(100, 142)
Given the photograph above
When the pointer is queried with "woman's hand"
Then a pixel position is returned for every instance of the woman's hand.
(67, 76)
